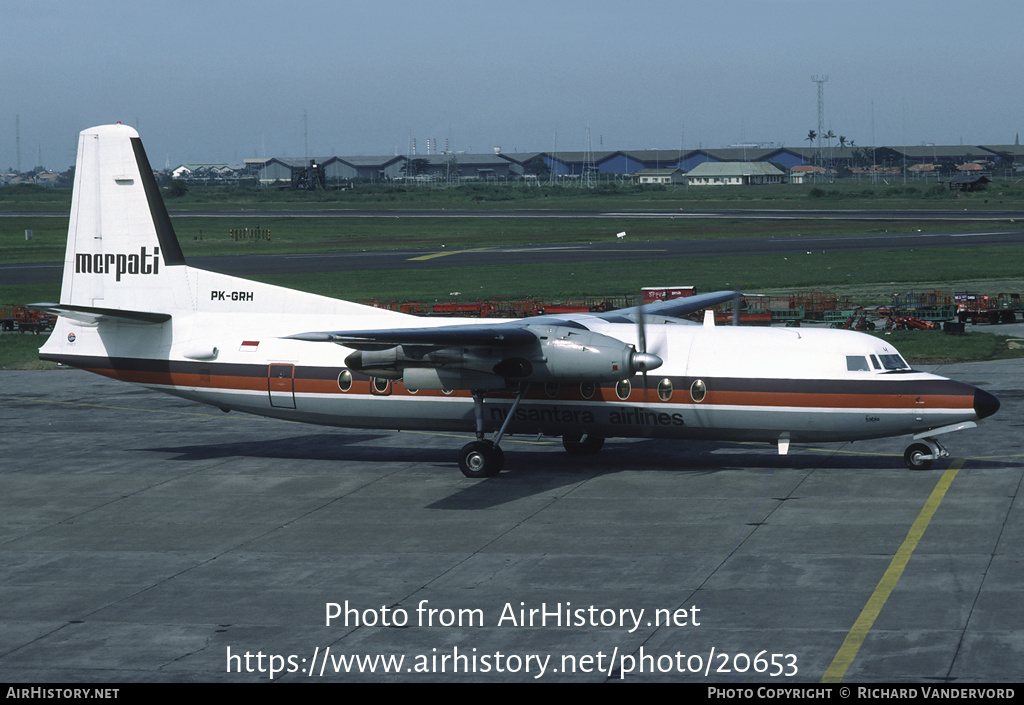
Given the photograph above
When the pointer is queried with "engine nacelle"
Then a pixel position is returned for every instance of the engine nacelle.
(449, 378)
(567, 354)
(559, 354)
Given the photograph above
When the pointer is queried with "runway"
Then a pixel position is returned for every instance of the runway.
(145, 538)
(999, 216)
(610, 251)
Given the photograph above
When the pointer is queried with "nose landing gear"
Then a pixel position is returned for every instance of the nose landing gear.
(920, 454)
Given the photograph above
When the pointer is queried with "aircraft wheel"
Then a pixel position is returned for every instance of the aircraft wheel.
(481, 459)
(915, 458)
(582, 443)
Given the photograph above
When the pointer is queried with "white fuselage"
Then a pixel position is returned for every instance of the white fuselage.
(716, 381)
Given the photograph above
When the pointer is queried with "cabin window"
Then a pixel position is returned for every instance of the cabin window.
(698, 390)
(345, 380)
(587, 389)
(665, 389)
(856, 363)
(381, 385)
(551, 389)
(622, 389)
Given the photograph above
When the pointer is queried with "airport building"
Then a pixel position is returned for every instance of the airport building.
(735, 165)
(735, 174)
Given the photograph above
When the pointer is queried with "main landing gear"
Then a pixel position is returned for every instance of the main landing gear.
(484, 458)
(481, 459)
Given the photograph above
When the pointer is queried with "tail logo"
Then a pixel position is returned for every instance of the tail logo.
(118, 264)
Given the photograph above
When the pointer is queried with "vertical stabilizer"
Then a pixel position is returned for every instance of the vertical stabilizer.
(122, 252)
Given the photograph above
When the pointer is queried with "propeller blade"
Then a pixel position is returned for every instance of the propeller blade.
(641, 325)
(641, 360)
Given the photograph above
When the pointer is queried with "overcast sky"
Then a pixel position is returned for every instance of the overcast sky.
(224, 81)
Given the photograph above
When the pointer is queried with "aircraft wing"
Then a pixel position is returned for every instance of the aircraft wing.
(553, 348)
(514, 333)
(671, 308)
(511, 334)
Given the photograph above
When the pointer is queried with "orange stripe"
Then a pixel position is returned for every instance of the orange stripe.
(566, 393)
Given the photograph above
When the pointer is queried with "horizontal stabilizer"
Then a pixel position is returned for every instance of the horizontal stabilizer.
(92, 314)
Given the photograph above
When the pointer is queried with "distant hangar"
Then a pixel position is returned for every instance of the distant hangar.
(501, 166)
(642, 166)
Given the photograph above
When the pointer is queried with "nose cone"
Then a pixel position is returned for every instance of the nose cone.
(985, 404)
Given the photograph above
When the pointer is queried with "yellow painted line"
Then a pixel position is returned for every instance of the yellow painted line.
(445, 254)
(859, 632)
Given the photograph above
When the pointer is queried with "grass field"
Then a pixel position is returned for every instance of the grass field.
(19, 351)
(849, 193)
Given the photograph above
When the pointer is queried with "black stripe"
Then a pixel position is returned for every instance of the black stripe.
(169, 247)
(216, 369)
(133, 364)
(887, 385)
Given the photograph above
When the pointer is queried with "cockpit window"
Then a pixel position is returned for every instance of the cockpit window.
(893, 362)
(874, 362)
(856, 363)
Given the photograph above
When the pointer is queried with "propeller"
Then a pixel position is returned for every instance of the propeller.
(641, 360)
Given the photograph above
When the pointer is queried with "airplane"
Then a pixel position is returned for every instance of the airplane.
(131, 309)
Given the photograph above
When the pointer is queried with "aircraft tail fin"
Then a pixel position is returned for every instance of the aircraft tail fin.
(122, 252)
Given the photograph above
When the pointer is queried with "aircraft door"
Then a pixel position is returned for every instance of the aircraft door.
(281, 385)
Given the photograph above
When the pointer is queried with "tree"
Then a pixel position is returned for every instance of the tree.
(67, 178)
(811, 136)
(177, 188)
(829, 136)
(415, 167)
(537, 167)
(861, 156)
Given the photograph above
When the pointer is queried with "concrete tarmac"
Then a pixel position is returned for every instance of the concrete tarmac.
(145, 538)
